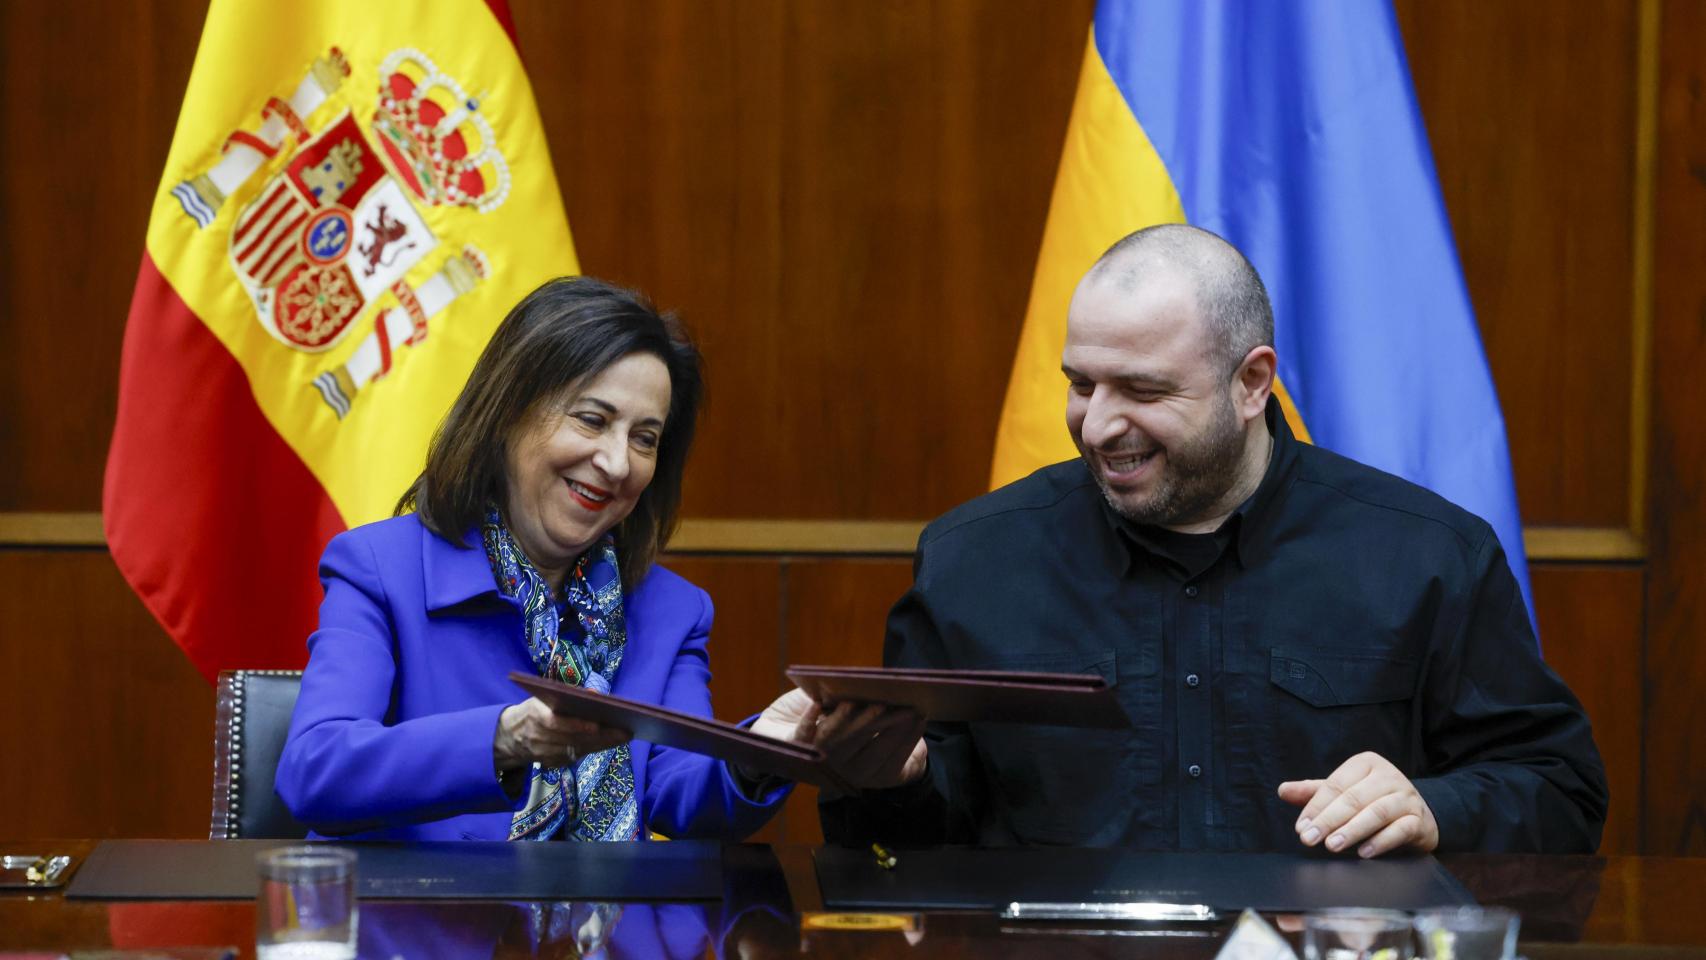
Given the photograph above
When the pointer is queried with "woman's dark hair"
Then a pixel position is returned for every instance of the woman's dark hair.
(560, 335)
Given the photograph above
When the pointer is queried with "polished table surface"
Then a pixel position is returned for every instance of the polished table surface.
(1633, 907)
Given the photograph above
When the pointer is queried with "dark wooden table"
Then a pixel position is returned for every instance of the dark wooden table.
(1629, 907)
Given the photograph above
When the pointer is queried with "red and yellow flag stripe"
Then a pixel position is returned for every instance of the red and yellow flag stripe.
(354, 197)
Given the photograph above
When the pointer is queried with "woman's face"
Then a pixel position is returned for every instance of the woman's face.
(578, 465)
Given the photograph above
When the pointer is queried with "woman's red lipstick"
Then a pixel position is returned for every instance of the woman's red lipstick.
(586, 501)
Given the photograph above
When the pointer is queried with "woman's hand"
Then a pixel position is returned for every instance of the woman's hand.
(869, 745)
(530, 733)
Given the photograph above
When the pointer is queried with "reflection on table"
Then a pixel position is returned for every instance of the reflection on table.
(1630, 907)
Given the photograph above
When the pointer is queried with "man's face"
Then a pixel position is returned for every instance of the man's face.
(1149, 407)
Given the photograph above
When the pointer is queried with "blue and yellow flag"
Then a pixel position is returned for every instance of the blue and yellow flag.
(1290, 129)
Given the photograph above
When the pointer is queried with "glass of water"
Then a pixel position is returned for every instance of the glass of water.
(306, 909)
(1357, 934)
(1468, 933)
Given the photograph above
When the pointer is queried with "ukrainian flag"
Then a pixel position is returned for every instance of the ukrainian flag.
(1290, 129)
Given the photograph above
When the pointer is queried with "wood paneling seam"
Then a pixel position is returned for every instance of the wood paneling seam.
(1641, 308)
(834, 537)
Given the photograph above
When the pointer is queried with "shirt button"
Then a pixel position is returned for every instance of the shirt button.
(1191, 590)
(1194, 770)
(1192, 680)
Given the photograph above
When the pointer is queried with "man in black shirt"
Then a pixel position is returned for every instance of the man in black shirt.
(1312, 652)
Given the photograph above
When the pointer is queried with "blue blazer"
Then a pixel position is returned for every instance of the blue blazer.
(407, 674)
(463, 928)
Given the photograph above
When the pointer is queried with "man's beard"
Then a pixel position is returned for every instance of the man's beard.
(1196, 474)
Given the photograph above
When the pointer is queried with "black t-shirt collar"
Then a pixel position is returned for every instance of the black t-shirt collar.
(1245, 530)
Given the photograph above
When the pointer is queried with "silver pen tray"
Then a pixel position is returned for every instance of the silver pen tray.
(1143, 912)
(31, 871)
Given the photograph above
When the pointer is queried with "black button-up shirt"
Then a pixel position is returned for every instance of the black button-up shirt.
(1340, 609)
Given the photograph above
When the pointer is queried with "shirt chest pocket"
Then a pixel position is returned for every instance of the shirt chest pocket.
(1325, 705)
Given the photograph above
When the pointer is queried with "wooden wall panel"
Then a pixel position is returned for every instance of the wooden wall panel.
(1675, 668)
(844, 200)
(1531, 116)
(92, 92)
(812, 185)
(669, 165)
(106, 729)
(835, 615)
(837, 608)
(746, 644)
(926, 141)
(1591, 628)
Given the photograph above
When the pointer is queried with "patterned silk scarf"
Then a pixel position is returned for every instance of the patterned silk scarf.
(593, 798)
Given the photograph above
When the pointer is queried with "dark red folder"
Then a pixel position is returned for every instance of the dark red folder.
(988, 696)
(671, 728)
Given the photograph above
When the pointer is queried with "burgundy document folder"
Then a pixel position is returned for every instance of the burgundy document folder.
(988, 696)
(671, 728)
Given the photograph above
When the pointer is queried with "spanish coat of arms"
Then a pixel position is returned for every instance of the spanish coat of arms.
(337, 227)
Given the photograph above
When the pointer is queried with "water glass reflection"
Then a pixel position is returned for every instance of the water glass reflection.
(306, 909)
(1357, 934)
(1468, 933)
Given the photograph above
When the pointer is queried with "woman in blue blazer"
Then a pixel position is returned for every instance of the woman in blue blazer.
(548, 491)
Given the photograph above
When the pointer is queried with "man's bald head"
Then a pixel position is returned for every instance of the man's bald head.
(1230, 295)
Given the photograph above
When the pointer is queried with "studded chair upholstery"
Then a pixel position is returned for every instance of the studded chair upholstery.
(252, 718)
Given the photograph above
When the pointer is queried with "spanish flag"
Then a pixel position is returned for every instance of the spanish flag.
(355, 196)
(1290, 129)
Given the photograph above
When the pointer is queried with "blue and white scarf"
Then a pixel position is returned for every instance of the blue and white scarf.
(593, 798)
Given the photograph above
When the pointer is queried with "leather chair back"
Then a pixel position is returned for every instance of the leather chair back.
(252, 718)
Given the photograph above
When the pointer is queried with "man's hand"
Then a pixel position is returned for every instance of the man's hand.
(1366, 799)
(781, 720)
(869, 745)
(528, 733)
